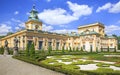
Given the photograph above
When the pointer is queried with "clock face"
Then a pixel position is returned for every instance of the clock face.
(36, 26)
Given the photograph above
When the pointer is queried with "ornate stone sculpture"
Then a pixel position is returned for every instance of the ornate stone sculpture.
(6, 52)
(15, 47)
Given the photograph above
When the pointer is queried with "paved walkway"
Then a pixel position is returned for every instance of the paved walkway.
(10, 66)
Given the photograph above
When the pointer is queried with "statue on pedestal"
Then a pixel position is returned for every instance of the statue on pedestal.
(6, 49)
(15, 47)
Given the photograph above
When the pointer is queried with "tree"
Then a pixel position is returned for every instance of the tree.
(2, 50)
(49, 49)
(32, 50)
(27, 50)
(81, 49)
(114, 35)
(97, 49)
(77, 49)
(91, 49)
(70, 49)
(63, 50)
(101, 49)
(9, 33)
(106, 35)
(108, 49)
(115, 49)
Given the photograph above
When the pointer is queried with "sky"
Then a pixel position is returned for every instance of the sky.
(61, 16)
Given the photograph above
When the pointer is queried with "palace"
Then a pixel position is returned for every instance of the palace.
(89, 36)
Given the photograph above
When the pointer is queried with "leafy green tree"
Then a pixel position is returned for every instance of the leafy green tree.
(27, 50)
(32, 50)
(108, 49)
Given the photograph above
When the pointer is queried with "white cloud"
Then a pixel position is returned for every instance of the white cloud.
(16, 12)
(64, 31)
(115, 8)
(112, 28)
(48, 0)
(17, 28)
(118, 21)
(61, 16)
(27, 13)
(4, 29)
(46, 27)
(22, 24)
(112, 8)
(104, 7)
(15, 20)
(57, 16)
(79, 10)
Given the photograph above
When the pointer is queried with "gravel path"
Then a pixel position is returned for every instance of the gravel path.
(10, 66)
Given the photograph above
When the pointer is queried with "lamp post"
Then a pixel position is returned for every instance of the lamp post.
(23, 41)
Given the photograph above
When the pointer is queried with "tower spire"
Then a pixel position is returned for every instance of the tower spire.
(33, 14)
(33, 6)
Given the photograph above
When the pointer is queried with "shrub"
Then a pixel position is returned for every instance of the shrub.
(80, 62)
(117, 64)
(70, 49)
(63, 50)
(81, 49)
(103, 65)
(108, 49)
(97, 49)
(115, 49)
(91, 49)
(77, 49)
(49, 49)
(32, 50)
(27, 51)
(66, 60)
(101, 49)
(2, 50)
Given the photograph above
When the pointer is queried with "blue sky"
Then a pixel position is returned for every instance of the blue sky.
(60, 15)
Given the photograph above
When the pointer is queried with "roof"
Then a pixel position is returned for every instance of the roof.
(89, 33)
(93, 24)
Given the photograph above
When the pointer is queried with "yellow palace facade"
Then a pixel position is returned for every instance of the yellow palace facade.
(88, 36)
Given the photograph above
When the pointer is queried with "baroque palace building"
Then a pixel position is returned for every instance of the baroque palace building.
(88, 36)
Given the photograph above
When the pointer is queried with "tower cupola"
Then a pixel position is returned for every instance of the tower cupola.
(33, 22)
